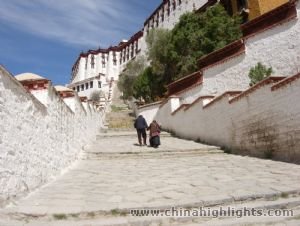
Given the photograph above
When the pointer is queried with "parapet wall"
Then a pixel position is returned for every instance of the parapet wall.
(40, 135)
(262, 121)
(271, 39)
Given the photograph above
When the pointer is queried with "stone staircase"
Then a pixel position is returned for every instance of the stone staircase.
(120, 117)
(115, 176)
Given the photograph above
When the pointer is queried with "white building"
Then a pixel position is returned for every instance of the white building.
(96, 70)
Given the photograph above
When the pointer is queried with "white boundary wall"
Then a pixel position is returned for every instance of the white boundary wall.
(256, 124)
(263, 121)
(38, 139)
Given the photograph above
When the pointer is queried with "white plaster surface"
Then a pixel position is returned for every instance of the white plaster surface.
(258, 123)
(38, 139)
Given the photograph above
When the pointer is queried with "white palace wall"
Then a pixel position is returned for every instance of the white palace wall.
(277, 47)
(39, 138)
(262, 121)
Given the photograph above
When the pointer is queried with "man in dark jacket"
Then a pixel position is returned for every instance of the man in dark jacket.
(141, 125)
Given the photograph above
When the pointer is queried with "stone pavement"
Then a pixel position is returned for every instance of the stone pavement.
(115, 175)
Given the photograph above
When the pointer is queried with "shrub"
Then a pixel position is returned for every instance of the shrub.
(96, 96)
(258, 73)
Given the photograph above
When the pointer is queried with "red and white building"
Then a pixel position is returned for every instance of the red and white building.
(97, 70)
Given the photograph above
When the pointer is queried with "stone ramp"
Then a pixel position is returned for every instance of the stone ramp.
(115, 176)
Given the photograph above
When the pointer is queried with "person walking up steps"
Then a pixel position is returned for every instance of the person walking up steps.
(154, 134)
(141, 125)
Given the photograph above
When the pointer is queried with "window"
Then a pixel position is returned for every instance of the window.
(127, 51)
(103, 60)
(78, 88)
(227, 6)
(174, 5)
(136, 47)
(162, 15)
(82, 87)
(114, 58)
(86, 85)
(242, 4)
(99, 84)
(74, 88)
(132, 51)
(179, 2)
(91, 84)
(92, 61)
(242, 8)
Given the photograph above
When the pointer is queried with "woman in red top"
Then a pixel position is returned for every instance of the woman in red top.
(154, 134)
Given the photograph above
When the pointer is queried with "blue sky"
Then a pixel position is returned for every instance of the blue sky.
(46, 36)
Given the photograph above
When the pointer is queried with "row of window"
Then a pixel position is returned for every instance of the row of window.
(86, 86)
(103, 61)
(129, 52)
(161, 14)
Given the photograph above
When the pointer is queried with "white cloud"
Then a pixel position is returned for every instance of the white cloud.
(85, 22)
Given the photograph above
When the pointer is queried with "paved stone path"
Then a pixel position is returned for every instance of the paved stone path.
(115, 175)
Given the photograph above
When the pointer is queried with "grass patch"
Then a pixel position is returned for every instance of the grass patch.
(91, 214)
(115, 108)
(198, 141)
(269, 154)
(74, 215)
(274, 198)
(284, 195)
(123, 214)
(60, 216)
(115, 212)
(226, 150)
(173, 134)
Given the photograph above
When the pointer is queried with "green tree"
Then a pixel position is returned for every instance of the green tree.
(158, 41)
(129, 75)
(141, 87)
(197, 35)
(258, 73)
(146, 86)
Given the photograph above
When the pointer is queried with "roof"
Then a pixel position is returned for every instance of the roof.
(29, 77)
(62, 89)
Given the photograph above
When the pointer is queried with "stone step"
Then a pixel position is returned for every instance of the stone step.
(148, 154)
(121, 217)
(121, 133)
